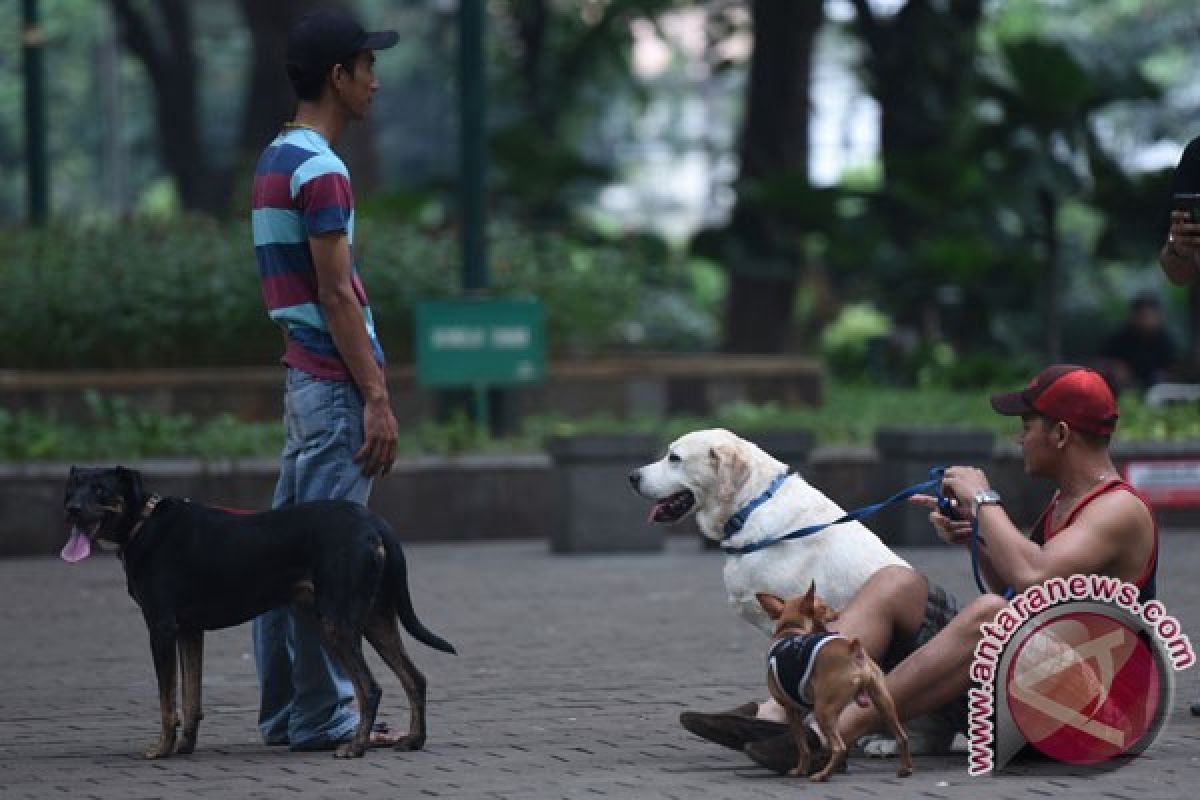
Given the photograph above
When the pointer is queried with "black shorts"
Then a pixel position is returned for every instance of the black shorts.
(940, 608)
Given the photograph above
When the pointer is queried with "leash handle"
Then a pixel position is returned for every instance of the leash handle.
(948, 508)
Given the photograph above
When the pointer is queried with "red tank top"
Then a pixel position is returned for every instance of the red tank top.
(1146, 582)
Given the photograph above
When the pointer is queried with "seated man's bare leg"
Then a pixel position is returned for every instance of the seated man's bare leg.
(931, 677)
(890, 605)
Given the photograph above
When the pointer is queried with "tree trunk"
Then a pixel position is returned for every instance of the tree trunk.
(919, 68)
(269, 100)
(170, 64)
(1048, 208)
(763, 249)
(530, 21)
(161, 38)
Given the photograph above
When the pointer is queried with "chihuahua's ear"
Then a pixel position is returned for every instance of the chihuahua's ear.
(731, 469)
(771, 604)
(811, 594)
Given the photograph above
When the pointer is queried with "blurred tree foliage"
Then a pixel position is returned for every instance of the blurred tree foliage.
(182, 292)
(1007, 203)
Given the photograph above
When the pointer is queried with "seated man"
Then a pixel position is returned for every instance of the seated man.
(1141, 352)
(1095, 524)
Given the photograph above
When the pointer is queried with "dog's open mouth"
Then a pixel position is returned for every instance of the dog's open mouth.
(79, 546)
(673, 508)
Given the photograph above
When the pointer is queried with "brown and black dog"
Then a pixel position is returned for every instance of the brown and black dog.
(812, 669)
(192, 568)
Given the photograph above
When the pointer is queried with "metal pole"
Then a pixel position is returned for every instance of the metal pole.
(472, 104)
(35, 112)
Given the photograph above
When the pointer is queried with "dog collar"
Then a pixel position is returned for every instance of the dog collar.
(738, 520)
(148, 509)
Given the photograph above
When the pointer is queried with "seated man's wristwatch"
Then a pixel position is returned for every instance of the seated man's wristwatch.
(983, 497)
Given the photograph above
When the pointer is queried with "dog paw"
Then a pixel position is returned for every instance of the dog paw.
(904, 772)
(409, 743)
(349, 750)
(186, 745)
(160, 750)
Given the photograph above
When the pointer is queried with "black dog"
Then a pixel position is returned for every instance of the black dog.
(192, 568)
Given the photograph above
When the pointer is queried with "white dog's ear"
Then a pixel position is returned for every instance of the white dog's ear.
(731, 469)
(771, 604)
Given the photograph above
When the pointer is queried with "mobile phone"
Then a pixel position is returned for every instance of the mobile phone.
(1189, 202)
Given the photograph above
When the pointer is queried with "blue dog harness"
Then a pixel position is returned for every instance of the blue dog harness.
(790, 662)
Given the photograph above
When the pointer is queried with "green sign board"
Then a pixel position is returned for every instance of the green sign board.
(479, 342)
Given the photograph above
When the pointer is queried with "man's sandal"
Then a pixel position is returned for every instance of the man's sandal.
(734, 728)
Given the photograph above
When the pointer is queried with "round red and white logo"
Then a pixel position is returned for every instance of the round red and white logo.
(1086, 686)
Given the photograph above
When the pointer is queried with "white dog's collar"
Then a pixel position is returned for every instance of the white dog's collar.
(735, 523)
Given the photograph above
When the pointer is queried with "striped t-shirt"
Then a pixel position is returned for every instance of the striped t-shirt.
(301, 189)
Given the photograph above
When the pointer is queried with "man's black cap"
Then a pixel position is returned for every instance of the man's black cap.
(329, 36)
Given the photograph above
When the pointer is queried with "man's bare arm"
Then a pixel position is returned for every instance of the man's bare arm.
(1092, 544)
(347, 325)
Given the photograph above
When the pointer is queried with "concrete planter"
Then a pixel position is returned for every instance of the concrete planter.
(425, 499)
(581, 501)
(905, 458)
(1176, 515)
(598, 512)
(792, 447)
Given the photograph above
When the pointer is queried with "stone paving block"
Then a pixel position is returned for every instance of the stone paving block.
(569, 685)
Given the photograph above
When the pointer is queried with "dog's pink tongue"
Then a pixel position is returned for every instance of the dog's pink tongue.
(78, 547)
(654, 511)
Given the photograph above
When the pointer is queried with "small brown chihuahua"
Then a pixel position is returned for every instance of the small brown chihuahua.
(813, 669)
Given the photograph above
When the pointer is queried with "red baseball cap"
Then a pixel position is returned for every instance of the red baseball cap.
(1076, 395)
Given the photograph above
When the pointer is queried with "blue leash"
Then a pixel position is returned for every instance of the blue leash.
(932, 486)
(1008, 590)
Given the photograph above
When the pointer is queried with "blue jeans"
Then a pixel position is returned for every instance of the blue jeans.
(305, 697)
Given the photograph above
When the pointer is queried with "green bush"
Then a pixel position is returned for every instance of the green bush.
(850, 415)
(185, 292)
(117, 431)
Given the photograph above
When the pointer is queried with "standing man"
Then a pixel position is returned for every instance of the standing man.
(341, 432)
(1179, 256)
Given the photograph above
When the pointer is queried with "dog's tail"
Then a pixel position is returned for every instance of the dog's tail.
(395, 580)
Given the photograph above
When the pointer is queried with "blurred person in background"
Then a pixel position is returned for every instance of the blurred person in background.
(1141, 352)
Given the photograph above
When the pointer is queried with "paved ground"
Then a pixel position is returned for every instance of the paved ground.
(568, 686)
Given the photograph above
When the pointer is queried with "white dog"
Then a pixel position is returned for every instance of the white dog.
(715, 473)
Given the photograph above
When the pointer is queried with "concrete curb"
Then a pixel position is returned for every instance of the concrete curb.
(511, 496)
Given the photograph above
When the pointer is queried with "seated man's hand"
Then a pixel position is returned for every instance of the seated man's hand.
(951, 531)
(963, 483)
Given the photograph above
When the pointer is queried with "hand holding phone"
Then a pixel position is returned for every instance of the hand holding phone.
(1188, 202)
